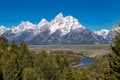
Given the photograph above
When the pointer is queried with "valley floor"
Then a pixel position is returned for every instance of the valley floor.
(89, 50)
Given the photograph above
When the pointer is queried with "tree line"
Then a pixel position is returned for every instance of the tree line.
(18, 63)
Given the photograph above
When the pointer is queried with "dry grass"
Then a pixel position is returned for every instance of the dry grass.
(90, 50)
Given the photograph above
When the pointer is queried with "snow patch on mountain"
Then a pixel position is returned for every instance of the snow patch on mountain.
(23, 27)
(103, 33)
(3, 29)
(41, 26)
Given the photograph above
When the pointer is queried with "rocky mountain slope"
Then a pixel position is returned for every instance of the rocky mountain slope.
(60, 30)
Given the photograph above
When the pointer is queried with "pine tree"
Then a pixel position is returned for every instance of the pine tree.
(71, 74)
(3, 46)
(3, 43)
(29, 74)
(24, 58)
(14, 46)
(10, 66)
(115, 56)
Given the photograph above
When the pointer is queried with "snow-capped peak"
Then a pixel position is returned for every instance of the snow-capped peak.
(23, 26)
(59, 16)
(3, 29)
(26, 24)
(65, 24)
(42, 26)
(103, 33)
(43, 22)
(115, 28)
(74, 21)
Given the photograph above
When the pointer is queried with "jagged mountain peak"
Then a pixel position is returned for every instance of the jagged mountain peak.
(59, 16)
(23, 27)
(3, 29)
(27, 23)
(65, 24)
(115, 28)
(43, 22)
(2, 26)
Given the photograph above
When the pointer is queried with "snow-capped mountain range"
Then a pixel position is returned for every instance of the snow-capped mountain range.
(60, 30)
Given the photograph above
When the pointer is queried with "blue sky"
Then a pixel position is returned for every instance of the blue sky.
(93, 14)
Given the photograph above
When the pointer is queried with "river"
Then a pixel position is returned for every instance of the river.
(83, 62)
